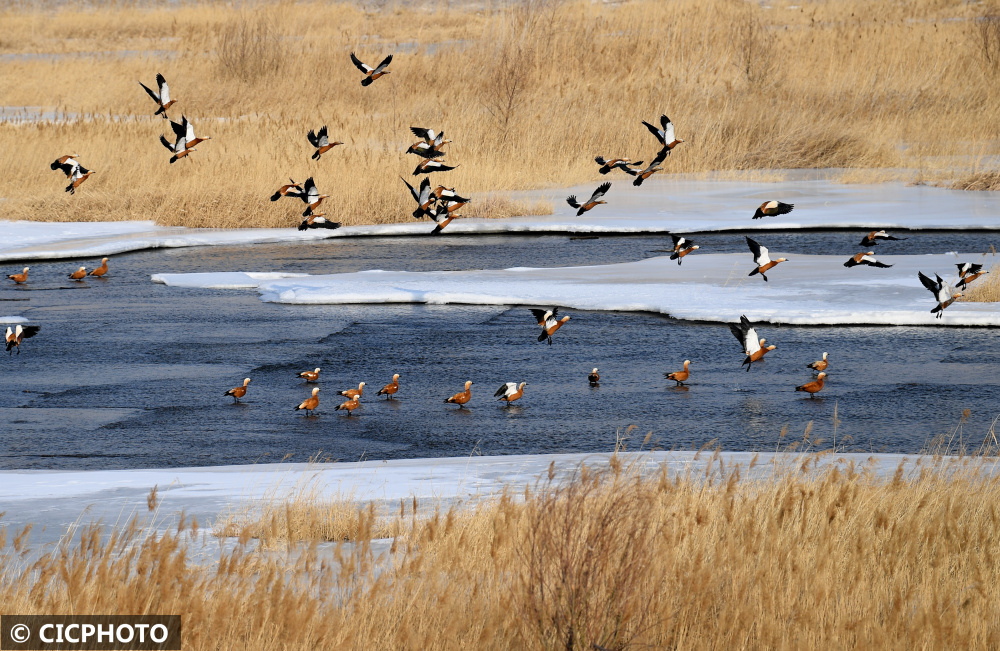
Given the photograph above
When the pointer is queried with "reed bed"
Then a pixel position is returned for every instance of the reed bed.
(801, 557)
(985, 289)
(529, 91)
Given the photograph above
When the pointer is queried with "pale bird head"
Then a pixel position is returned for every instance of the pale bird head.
(594, 371)
(26, 270)
(395, 377)
(316, 370)
(824, 357)
(361, 385)
(104, 260)
(246, 381)
(771, 347)
(695, 247)
(821, 376)
(316, 390)
(564, 319)
(782, 260)
(686, 362)
(870, 253)
(337, 142)
(523, 384)
(468, 384)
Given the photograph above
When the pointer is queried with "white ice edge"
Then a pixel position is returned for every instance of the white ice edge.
(668, 204)
(805, 290)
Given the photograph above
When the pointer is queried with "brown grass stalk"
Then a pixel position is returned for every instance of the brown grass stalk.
(985, 289)
(530, 92)
(795, 557)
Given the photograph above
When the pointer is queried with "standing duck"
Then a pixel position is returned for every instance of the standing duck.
(21, 277)
(761, 259)
(371, 74)
(664, 135)
(772, 208)
(967, 272)
(309, 404)
(349, 406)
(162, 98)
(547, 320)
(238, 392)
(461, 398)
(321, 142)
(79, 274)
(594, 378)
(814, 387)
(19, 334)
(100, 271)
(354, 393)
(680, 377)
(390, 389)
(309, 376)
(510, 391)
(872, 238)
(865, 259)
(595, 199)
(942, 292)
(819, 365)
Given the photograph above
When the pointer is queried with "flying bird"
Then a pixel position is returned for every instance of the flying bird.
(309, 404)
(19, 334)
(680, 377)
(71, 167)
(293, 190)
(461, 398)
(942, 292)
(430, 143)
(309, 376)
(354, 393)
(390, 389)
(317, 220)
(872, 238)
(349, 406)
(321, 142)
(21, 277)
(79, 274)
(865, 259)
(547, 320)
(238, 392)
(161, 98)
(642, 175)
(371, 74)
(311, 196)
(594, 378)
(179, 147)
(664, 135)
(594, 200)
(449, 194)
(431, 165)
(761, 259)
(444, 222)
(772, 208)
(746, 334)
(682, 247)
(967, 272)
(819, 365)
(97, 272)
(510, 391)
(424, 197)
(624, 164)
(814, 387)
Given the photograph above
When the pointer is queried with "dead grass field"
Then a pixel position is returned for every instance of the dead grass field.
(985, 289)
(530, 92)
(796, 559)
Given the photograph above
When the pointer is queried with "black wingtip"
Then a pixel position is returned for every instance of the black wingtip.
(276, 196)
(367, 81)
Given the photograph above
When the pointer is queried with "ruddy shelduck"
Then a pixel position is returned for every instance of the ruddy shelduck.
(292, 190)
(19, 334)
(100, 271)
(642, 175)
(310, 403)
(664, 135)
(444, 222)
(867, 259)
(371, 74)
(680, 377)
(424, 197)
(430, 165)
(814, 387)
(21, 277)
(942, 291)
(430, 145)
(390, 389)
(449, 194)
(820, 364)
(178, 148)
(595, 199)
(311, 197)
(967, 272)
(624, 164)
(354, 393)
(753, 347)
(463, 397)
(761, 259)
(71, 167)
(682, 247)
(772, 208)
(547, 320)
(309, 376)
(594, 377)
(162, 98)
(317, 220)
(321, 141)
(79, 274)
(190, 140)
(238, 392)
(510, 391)
(349, 406)
(873, 238)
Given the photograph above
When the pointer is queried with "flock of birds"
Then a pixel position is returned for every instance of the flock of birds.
(441, 204)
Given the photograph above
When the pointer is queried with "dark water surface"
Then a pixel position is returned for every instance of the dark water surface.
(126, 373)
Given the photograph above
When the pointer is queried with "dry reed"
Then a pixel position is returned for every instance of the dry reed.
(800, 557)
(985, 289)
(530, 92)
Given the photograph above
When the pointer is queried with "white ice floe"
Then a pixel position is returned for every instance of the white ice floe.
(13, 319)
(54, 499)
(808, 289)
(672, 204)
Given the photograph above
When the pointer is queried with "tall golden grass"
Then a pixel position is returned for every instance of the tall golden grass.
(797, 557)
(985, 289)
(529, 91)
